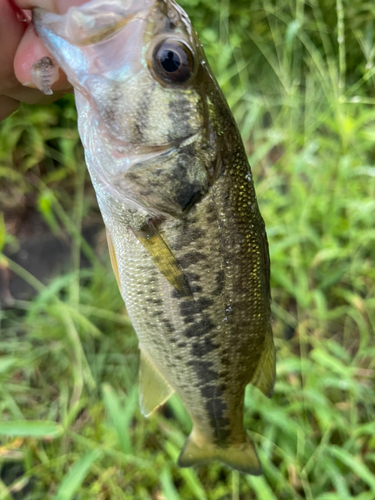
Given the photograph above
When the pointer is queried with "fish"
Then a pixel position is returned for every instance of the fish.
(187, 241)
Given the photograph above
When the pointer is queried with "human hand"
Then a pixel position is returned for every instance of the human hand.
(21, 48)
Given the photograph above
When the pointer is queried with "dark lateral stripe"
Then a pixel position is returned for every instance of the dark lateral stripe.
(213, 396)
(216, 408)
(168, 325)
(157, 302)
(188, 194)
(202, 327)
(179, 114)
(187, 236)
(192, 277)
(203, 347)
(191, 308)
(204, 370)
(220, 283)
(191, 258)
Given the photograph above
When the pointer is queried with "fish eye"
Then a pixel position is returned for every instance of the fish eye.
(173, 62)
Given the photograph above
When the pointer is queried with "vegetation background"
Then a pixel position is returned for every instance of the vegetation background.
(299, 77)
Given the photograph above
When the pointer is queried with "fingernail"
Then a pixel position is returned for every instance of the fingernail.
(20, 14)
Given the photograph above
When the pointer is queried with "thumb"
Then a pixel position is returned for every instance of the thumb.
(31, 48)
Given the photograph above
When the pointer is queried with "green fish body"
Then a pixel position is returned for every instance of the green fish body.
(187, 241)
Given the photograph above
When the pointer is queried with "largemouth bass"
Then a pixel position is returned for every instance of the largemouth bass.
(186, 238)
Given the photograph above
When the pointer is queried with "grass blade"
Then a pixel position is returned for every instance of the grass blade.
(30, 428)
(359, 468)
(76, 475)
(121, 417)
(169, 488)
(261, 488)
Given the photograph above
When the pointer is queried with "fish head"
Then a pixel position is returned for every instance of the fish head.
(140, 77)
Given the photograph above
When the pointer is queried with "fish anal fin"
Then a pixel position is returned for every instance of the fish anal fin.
(154, 390)
(112, 256)
(163, 258)
(242, 457)
(265, 373)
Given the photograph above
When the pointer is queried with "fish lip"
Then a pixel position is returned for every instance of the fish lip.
(77, 20)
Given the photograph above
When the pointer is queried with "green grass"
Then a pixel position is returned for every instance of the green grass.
(299, 78)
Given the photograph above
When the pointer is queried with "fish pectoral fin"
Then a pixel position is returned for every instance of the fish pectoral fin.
(265, 373)
(112, 256)
(163, 258)
(154, 390)
(242, 457)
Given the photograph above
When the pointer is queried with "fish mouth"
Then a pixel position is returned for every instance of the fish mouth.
(93, 22)
(78, 38)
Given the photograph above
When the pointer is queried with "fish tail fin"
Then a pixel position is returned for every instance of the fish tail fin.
(242, 457)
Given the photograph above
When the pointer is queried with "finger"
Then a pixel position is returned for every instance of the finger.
(31, 50)
(58, 6)
(50, 5)
(7, 106)
(12, 28)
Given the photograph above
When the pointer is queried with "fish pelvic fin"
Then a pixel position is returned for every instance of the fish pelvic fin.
(163, 257)
(154, 390)
(265, 373)
(242, 457)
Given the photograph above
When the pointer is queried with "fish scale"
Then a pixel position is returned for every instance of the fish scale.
(186, 238)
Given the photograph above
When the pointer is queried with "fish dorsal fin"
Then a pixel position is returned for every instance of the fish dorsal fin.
(163, 258)
(265, 373)
(154, 390)
(113, 257)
